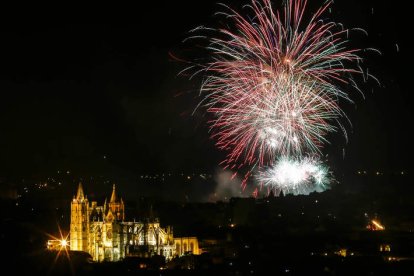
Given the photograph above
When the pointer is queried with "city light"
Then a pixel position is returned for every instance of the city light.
(64, 243)
(378, 225)
(375, 225)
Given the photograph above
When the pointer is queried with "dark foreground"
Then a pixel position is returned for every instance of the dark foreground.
(78, 263)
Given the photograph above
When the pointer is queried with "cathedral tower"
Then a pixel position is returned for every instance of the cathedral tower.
(79, 221)
(116, 206)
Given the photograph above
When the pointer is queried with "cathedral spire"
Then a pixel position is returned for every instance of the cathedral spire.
(80, 194)
(113, 196)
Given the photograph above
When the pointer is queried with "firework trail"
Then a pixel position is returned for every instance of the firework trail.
(274, 83)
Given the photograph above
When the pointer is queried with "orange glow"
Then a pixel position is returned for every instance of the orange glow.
(375, 225)
(378, 225)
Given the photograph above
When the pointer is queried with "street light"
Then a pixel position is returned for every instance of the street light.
(63, 243)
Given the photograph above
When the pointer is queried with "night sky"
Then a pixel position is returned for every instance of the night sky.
(99, 99)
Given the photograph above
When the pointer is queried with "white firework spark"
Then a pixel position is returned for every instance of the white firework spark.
(296, 176)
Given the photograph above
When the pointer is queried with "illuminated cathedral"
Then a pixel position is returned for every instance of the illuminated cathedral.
(103, 232)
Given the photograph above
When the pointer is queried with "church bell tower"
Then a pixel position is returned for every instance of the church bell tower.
(79, 221)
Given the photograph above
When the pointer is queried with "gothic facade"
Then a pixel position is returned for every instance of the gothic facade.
(103, 232)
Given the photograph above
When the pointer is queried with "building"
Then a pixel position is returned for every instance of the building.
(103, 232)
(186, 245)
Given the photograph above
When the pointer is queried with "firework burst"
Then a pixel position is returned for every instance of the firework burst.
(274, 83)
(298, 176)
